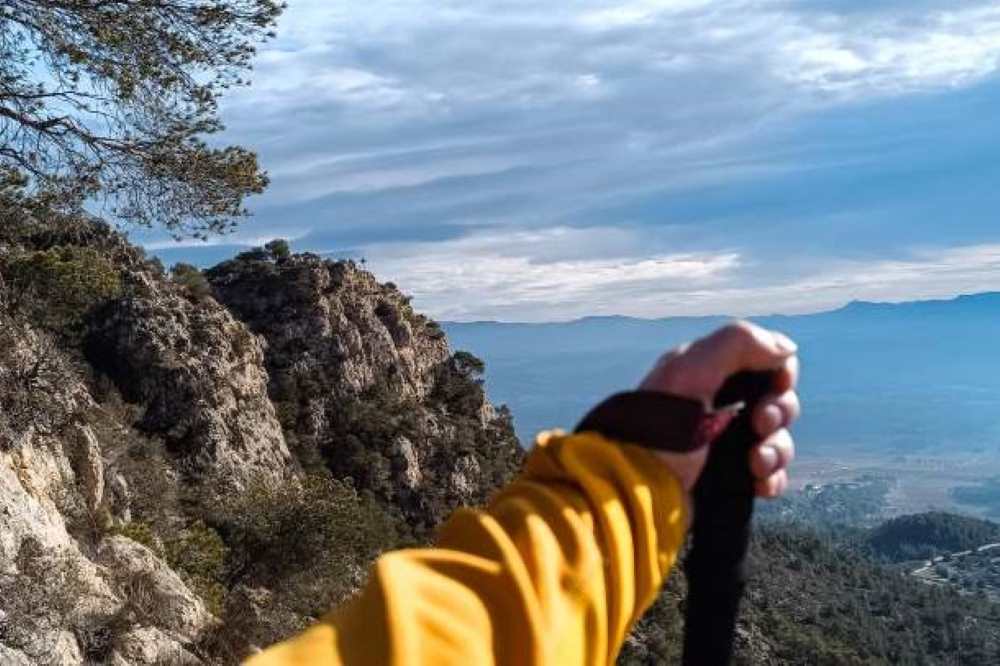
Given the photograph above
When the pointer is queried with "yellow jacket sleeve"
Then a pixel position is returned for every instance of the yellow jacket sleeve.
(555, 570)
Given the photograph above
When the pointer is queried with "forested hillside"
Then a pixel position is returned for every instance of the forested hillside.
(927, 535)
(813, 600)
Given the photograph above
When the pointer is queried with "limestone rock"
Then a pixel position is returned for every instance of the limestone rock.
(181, 402)
(12, 657)
(88, 465)
(200, 375)
(405, 456)
(330, 322)
(149, 646)
(153, 590)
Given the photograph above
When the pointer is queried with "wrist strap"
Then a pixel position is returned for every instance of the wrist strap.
(656, 420)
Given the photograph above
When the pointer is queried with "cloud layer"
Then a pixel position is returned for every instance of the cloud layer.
(464, 147)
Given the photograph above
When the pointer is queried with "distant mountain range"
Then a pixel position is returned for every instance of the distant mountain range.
(886, 377)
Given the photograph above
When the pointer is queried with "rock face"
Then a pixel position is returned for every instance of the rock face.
(199, 373)
(369, 385)
(158, 449)
(333, 324)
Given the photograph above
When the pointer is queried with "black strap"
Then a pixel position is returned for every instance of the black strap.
(651, 419)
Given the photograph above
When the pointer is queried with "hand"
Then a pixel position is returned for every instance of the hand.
(698, 370)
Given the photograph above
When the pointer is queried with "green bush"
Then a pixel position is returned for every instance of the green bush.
(140, 532)
(198, 554)
(279, 249)
(58, 287)
(305, 541)
(192, 279)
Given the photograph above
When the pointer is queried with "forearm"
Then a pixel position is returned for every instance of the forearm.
(555, 570)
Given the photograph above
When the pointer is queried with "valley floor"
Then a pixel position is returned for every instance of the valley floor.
(916, 483)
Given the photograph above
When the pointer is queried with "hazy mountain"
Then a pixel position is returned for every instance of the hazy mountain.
(894, 377)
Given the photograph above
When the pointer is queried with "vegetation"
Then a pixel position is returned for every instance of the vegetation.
(310, 543)
(926, 535)
(199, 555)
(192, 279)
(56, 288)
(459, 384)
(279, 249)
(371, 431)
(812, 601)
(857, 503)
(114, 99)
(985, 495)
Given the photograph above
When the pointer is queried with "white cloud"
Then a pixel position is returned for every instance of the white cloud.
(545, 275)
(891, 54)
(524, 277)
(342, 78)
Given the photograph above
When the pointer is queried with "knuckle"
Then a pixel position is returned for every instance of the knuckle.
(739, 330)
(737, 335)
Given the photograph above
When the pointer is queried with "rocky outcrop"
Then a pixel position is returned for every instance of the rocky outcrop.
(331, 324)
(199, 375)
(368, 388)
(153, 591)
(155, 453)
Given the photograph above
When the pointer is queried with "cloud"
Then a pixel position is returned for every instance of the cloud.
(561, 274)
(892, 54)
(543, 275)
(713, 135)
(576, 82)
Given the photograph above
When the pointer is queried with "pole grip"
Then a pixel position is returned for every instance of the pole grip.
(716, 566)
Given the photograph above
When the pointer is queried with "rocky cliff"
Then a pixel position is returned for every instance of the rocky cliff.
(195, 465)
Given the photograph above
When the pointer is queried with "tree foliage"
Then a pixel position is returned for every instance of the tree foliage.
(279, 249)
(112, 99)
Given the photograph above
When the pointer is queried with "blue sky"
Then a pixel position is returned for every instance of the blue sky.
(519, 161)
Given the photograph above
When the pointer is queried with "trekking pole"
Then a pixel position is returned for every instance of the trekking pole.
(716, 566)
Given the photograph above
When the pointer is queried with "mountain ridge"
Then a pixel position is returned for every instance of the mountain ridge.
(990, 297)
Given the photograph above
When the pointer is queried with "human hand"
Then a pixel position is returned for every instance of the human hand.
(698, 370)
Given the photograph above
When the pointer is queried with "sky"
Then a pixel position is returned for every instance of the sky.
(526, 161)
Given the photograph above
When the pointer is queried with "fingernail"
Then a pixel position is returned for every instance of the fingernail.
(785, 343)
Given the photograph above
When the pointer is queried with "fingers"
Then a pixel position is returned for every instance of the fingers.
(772, 455)
(776, 412)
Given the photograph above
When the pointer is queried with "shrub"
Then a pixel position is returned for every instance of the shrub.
(140, 532)
(58, 287)
(308, 542)
(192, 279)
(468, 364)
(279, 249)
(198, 554)
(254, 254)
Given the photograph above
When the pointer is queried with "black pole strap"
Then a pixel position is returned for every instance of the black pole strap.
(716, 566)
